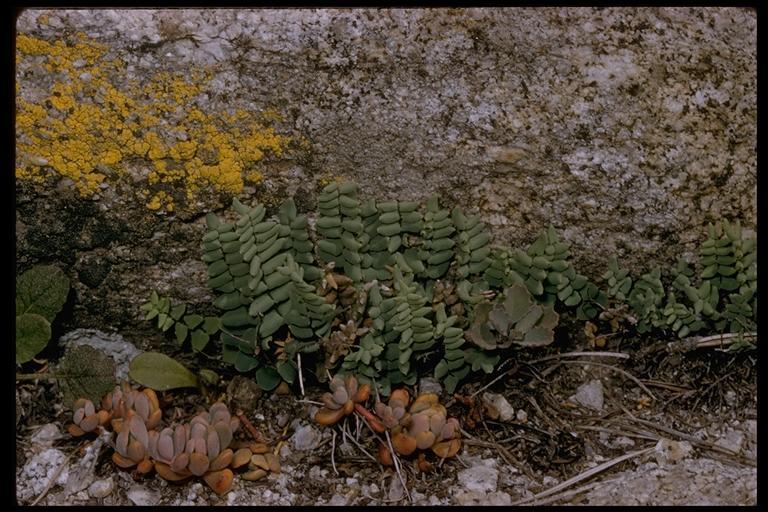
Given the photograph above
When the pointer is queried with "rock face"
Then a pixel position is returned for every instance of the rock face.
(628, 129)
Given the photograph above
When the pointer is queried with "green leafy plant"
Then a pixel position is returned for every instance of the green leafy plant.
(160, 372)
(195, 328)
(545, 269)
(722, 296)
(40, 294)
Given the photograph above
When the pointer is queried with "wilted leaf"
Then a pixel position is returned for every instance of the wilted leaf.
(86, 372)
(32, 335)
(517, 302)
(42, 290)
(160, 372)
(537, 337)
(499, 319)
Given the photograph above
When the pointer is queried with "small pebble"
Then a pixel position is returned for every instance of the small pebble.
(101, 488)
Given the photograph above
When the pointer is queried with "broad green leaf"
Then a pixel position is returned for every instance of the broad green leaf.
(212, 324)
(199, 339)
(32, 335)
(42, 290)
(245, 363)
(160, 372)
(267, 378)
(193, 321)
(177, 311)
(85, 372)
(287, 371)
(181, 332)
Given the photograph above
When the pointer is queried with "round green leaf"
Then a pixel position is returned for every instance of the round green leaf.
(267, 378)
(199, 339)
(160, 372)
(181, 332)
(42, 290)
(287, 371)
(32, 335)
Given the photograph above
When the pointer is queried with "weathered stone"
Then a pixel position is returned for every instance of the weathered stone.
(306, 438)
(46, 435)
(430, 385)
(470, 498)
(690, 482)
(38, 472)
(627, 128)
(590, 395)
(500, 405)
(480, 478)
(111, 344)
(142, 497)
(101, 488)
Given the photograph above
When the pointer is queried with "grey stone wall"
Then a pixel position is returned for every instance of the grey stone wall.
(628, 129)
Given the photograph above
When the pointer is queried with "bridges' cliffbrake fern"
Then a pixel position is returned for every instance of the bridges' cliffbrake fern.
(393, 290)
(438, 246)
(339, 227)
(691, 302)
(546, 270)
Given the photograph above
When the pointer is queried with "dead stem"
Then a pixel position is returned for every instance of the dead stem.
(255, 434)
(396, 461)
(619, 355)
(623, 372)
(333, 450)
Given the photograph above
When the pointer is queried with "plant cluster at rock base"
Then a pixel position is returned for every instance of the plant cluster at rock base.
(390, 291)
(721, 296)
(418, 426)
(204, 447)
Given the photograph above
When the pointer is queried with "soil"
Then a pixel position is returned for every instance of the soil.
(704, 402)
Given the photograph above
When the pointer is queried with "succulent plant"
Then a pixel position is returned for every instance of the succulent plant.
(453, 367)
(203, 447)
(392, 413)
(618, 280)
(117, 406)
(518, 319)
(340, 402)
(363, 359)
(375, 250)
(546, 271)
(425, 426)
(199, 448)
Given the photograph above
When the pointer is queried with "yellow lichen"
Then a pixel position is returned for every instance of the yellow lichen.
(94, 121)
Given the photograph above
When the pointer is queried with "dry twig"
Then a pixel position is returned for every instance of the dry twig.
(619, 355)
(396, 461)
(623, 372)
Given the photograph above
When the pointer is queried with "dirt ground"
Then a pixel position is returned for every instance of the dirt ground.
(685, 424)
